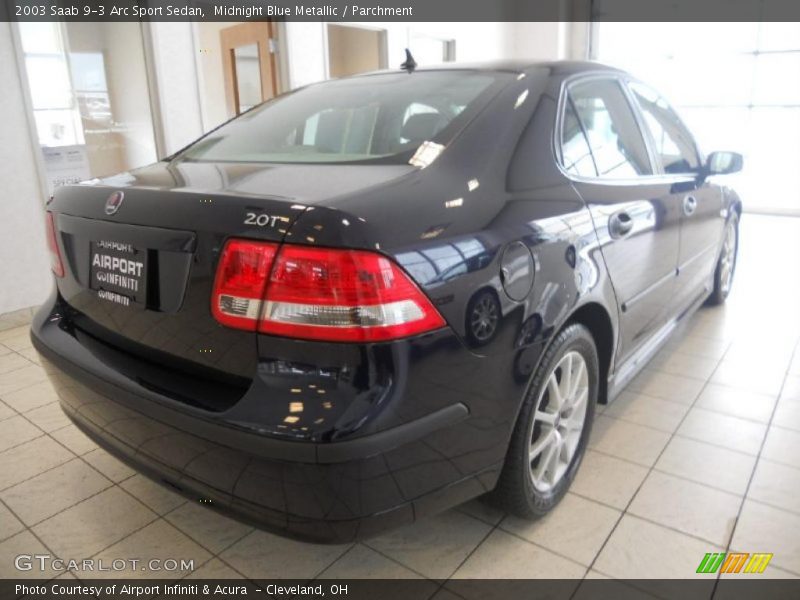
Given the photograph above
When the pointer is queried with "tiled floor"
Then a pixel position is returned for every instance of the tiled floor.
(701, 453)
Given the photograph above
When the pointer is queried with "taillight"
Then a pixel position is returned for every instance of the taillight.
(343, 295)
(240, 283)
(320, 294)
(56, 264)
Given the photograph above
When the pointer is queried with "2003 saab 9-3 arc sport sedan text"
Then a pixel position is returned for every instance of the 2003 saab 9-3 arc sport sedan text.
(377, 297)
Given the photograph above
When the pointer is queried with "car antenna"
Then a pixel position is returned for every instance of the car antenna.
(410, 63)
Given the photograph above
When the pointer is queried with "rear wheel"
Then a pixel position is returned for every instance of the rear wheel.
(726, 265)
(553, 427)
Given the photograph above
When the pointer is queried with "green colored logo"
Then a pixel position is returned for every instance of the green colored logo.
(734, 562)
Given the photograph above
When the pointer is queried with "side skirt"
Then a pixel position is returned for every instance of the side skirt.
(631, 367)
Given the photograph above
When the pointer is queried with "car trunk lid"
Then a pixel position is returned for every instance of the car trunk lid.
(140, 280)
(141, 250)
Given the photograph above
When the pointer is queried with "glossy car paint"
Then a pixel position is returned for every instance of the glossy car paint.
(388, 432)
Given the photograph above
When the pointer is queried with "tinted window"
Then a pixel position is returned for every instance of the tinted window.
(674, 144)
(574, 148)
(614, 137)
(346, 120)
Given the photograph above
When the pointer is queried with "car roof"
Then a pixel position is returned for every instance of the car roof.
(556, 67)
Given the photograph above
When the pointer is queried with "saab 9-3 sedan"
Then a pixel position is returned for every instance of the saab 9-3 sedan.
(374, 298)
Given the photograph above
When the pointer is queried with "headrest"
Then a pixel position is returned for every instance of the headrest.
(422, 126)
(330, 131)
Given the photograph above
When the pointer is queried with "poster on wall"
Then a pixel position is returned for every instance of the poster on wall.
(65, 164)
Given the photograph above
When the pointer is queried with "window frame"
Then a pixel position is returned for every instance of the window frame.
(621, 79)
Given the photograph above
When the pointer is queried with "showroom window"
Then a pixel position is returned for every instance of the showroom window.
(54, 110)
(90, 98)
(735, 86)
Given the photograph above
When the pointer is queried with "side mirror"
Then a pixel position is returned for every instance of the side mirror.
(722, 163)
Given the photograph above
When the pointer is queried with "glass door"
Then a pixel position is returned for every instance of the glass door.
(737, 85)
(90, 98)
(249, 65)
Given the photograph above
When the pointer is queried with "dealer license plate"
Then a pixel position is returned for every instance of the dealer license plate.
(119, 272)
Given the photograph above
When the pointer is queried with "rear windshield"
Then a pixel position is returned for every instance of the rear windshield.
(381, 118)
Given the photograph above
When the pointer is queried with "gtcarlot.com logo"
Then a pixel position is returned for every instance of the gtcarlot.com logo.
(734, 562)
(44, 562)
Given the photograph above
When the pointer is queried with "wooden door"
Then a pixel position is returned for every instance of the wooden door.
(249, 65)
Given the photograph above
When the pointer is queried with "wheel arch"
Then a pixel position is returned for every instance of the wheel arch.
(597, 320)
(732, 200)
(736, 205)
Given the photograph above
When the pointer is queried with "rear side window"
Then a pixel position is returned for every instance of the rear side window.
(673, 144)
(609, 125)
(575, 150)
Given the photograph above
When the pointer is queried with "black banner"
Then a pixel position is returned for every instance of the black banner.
(406, 589)
(400, 10)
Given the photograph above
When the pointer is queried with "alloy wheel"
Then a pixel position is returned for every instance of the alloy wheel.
(558, 421)
(728, 258)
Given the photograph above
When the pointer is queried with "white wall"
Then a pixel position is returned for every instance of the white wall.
(539, 41)
(25, 277)
(307, 44)
(126, 67)
(305, 50)
(178, 89)
(474, 42)
(211, 75)
(551, 41)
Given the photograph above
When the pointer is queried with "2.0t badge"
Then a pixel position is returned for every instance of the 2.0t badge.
(113, 202)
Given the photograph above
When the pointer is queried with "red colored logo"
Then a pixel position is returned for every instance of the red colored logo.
(113, 203)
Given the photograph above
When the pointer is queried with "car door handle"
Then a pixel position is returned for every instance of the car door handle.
(689, 205)
(620, 224)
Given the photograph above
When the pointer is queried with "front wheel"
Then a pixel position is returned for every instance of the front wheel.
(553, 426)
(726, 265)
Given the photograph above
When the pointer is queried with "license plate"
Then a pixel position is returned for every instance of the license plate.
(119, 272)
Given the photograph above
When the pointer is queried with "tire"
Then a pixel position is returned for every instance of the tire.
(518, 490)
(726, 263)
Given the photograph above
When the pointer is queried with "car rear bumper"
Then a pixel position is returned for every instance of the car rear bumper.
(323, 492)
